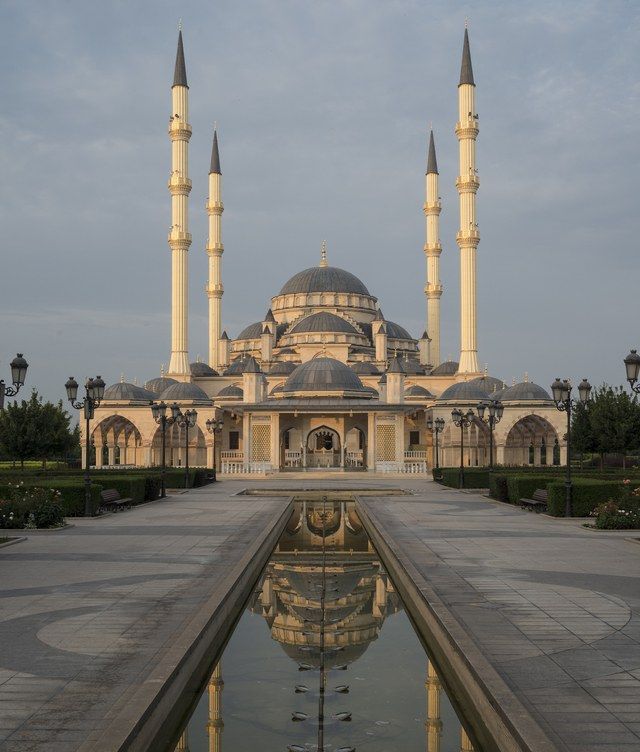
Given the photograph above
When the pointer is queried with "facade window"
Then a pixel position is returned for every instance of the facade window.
(532, 454)
(543, 452)
(414, 438)
(116, 455)
(556, 453)
(234, 440)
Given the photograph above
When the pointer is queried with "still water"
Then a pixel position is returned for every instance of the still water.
(324, 656)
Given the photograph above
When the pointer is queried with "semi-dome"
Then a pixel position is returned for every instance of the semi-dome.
(283, 368)
(417, 392)
(125, 391)
(232, 391)
(365, 368)
(467, 391)
(323, 374)
(448, 368)
(253, 331)
(236, 368)
(202, 369)
(324, 279)
(157, 386)
(323, 322)
(395, 331)
(524, 392)
(184, 392)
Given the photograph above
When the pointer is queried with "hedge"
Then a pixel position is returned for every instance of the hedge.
(473, 477)
(72, 495)
(523, 486)
(587, 494)
(498, 486)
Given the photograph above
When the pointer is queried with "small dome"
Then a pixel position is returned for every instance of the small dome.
(448, 368)
(324, 375)
(395, 331)
(490, 384)
(465, 391)
(323, 322)
(202, 369)
(365, 368)
(184, 392)
(525, 392)
(324, 279)
(283, 368)
(253, 331)
(237, 367)
(157, 386)
(411, 366)
(417, 392)
(230, 392)
(497, 395)
(125, 391)
(277, 389)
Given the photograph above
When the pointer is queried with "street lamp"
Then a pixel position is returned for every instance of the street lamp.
(94, 392)
(214, 426)
(494, 409)
(18, 374)
(462, 420)
(186, 420)
(159, 412)
(632, 365)
(561, 392)
(436, 426)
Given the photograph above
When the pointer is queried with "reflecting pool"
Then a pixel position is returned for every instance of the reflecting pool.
(324, 656)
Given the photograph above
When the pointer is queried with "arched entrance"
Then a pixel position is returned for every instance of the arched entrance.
(323, 448)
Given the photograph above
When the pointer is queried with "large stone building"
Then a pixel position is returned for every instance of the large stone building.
(324, 380)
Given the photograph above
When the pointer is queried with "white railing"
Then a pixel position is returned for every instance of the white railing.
(420, 454)
(232, 454)
(354, 459)
(230, 467)
(292, 458)
(417, 467)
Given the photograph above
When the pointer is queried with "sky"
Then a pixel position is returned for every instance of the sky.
(323, 110)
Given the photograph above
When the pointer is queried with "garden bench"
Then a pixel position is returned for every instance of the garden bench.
(538, 502)
(111, 500)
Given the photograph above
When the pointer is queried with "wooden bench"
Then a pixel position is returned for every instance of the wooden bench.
(111, 500)
(538, 502)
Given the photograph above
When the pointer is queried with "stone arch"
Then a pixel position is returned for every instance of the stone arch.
(530, 440)
(117, 441)
(176, 449)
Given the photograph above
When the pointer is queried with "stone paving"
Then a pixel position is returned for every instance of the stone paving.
(86, 611)
(553, 606)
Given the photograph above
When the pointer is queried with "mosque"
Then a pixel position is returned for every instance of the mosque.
(324, 381)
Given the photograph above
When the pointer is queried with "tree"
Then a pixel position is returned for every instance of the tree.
(33, 429)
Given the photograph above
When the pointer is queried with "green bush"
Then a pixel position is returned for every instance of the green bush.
(498, 486)
(71, 498)
(588, 493)
(152, 485)
(613, 516)
(30, 507)
(474, 477)
(523, 486)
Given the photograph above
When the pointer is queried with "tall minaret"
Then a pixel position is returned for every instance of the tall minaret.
(215, 249)
(432, 250)
(179, 236)
(215, 723)
(468, 236)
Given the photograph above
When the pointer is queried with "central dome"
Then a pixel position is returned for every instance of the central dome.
(324, 279)
(323, 375)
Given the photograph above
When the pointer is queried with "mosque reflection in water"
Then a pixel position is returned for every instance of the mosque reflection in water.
(324, 611)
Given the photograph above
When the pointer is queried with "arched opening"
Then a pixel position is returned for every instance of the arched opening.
(355, 446)
(527, 442)
(291, 454)
(323, 448)
(117, 441)
(176, 447)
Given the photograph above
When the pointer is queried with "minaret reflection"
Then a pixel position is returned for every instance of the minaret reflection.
(215, 723)
(434, 723)
(465, 742)
(183, 742)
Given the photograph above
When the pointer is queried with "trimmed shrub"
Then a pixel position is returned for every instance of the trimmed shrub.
(49, 505)
(498, 487)
(588, 493)
(474, 477)
(523, 486)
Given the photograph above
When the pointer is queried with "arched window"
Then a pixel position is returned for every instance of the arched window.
(116, 455)
(532, 454)
(543, 452)
(556, 453)
(105, 454)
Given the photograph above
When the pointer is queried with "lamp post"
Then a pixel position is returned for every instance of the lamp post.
(462, 420)
(632, 365)
(159, 412)
(186, 420)
(94, 392)
(436, 427)
(214, 426)
(18, 374)
(561, 392)
(494, 409)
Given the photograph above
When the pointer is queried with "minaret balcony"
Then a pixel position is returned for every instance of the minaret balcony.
(179, 238)
(471, 183)
(179, 185)
(214, 207)
(432, 208)
(433, 290)
(179, 130)
(468, 129)
(433, 249)
(469, 237)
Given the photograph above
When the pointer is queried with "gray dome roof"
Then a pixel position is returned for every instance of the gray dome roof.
(253, 331)
(497, 395)
(236, 367)
(373, 391)
(202, 369)
(418, 391)
(525, 391)
(283, 368)
(464, 390)
(231, 392)
(123, 390)
(395, 331)
(448, 368)
(490, 384)
(323, 322)
(365, 368)
(412, 366)
(184, 391)
(324, 279)
(323, 374)
(157, 386)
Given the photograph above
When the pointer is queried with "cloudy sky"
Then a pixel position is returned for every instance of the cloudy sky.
(323, 109)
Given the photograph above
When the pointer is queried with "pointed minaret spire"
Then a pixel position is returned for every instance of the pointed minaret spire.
(466, 71)
(215, 155)
(323, 254)
(180, 71)
(432, 164)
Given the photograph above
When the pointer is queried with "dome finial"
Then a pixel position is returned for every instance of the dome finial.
(161, 370)
(323, 254)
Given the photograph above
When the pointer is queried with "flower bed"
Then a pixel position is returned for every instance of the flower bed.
(619, 514)
(31, 507)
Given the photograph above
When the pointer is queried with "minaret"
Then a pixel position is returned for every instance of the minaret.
(215, 249)
(432, 250)
(215, 723)
(468, 236)
(179, 236)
